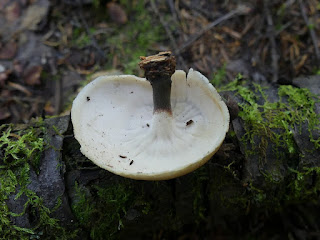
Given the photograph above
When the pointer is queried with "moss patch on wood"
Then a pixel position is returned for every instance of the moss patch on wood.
(20, 152)
(270, 126)
(111, 206)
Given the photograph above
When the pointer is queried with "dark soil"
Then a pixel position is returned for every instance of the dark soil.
(48, 49)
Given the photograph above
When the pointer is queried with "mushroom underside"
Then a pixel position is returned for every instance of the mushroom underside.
(118, 131)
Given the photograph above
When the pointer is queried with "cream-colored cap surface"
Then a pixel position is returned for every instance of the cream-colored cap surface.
(114, 123)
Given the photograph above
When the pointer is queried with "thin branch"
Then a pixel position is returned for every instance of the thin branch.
(233, 13)
(169, 34)
(173, 10)
(311, 31)
(199, 10)
(271, 34)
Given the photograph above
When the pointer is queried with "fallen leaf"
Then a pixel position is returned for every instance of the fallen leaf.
(116, 13)
(35, 14)
(8, 51)
(13, 11)
(301, 63)
(231, 32)
(48, 108)
(20, 88)
(32, 75)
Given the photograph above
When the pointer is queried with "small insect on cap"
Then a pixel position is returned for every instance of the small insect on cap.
(119, 129)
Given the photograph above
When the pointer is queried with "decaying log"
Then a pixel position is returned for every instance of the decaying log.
(232, 194)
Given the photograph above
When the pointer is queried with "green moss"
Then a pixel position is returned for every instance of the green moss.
(135, 38)
(21, 151)
(18, 152)
(272, 123)
(219, 76)
(302, 109)
(80, 38)
(102, 212)
(126, 42)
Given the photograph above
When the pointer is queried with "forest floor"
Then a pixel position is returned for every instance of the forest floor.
(50, 49)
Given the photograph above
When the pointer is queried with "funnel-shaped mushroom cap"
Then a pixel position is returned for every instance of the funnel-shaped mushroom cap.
(114, 122)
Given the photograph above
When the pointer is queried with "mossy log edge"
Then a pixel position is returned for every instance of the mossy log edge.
(269, 162)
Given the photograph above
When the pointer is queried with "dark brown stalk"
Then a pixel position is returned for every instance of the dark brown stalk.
(158, 71)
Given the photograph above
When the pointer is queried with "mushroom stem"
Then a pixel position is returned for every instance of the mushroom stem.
(158, 71)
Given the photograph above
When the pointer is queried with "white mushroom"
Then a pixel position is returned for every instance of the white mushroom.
(130, 127)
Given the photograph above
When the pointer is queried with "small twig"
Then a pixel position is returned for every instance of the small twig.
(20, 99)
(165, 26)
(170, 36)
(271, 33)
(199, 10)
(173, 10)
(191, 40)
(311, 31)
